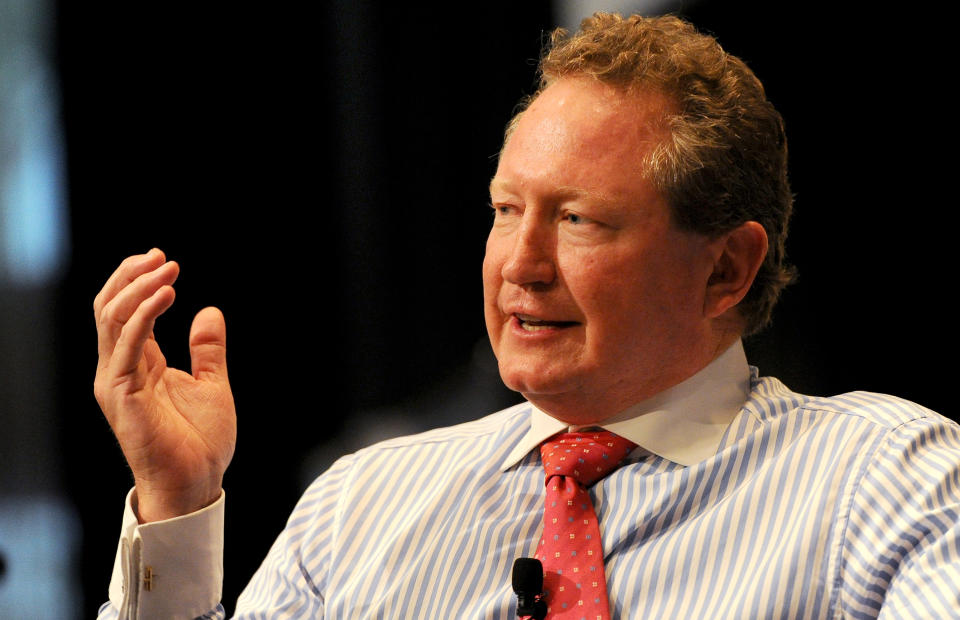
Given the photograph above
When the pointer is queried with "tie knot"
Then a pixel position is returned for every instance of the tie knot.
(587, 457)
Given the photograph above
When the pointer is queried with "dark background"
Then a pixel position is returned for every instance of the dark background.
(321, 177)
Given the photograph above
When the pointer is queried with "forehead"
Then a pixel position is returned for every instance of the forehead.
(583, 135)
(598, 106)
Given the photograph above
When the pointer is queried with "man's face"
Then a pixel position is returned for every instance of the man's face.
(593, 298)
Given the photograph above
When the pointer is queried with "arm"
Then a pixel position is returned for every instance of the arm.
(168, 569)
(295, 573)
(177, 430)
(902, 554)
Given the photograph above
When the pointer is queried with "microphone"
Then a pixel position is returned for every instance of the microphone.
(528, 585)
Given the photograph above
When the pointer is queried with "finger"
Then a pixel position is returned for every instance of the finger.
(152, 353)
(118, 311)
(129, 270)
(208, 345)
(128, 352)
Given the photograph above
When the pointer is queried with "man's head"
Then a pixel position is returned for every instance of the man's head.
(599, 290)
(723, 159)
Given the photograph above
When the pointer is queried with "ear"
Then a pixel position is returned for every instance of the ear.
(740, 253)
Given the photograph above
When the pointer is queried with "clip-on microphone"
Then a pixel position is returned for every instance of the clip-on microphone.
(528, 584)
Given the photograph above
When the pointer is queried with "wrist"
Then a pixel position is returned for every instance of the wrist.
(151, 505)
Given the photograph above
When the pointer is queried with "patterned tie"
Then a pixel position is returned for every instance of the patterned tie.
(574, 583)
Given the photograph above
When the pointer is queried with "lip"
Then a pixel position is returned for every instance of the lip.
(532, 311)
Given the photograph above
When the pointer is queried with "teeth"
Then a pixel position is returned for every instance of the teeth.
(533, 328)
(533, 324)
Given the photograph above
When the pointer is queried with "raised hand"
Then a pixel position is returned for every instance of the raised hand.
(177, 430)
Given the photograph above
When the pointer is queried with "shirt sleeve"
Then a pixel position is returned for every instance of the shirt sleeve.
(902, 552)
(168, 569)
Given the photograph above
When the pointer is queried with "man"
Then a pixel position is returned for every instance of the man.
(641, 205)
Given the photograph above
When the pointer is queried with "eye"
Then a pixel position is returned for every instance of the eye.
(575, 218)
(501, 210)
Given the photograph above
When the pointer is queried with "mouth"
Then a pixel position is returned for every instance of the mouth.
(533, 324)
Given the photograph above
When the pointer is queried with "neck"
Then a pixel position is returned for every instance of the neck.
(585, 407)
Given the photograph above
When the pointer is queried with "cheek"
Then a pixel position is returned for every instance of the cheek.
(491, 277)
(601, 285)
(491, 291)
(629, 298)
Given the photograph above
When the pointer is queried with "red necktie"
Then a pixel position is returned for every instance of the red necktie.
(574, 583)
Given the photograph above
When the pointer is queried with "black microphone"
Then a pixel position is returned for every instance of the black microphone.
(528, 584)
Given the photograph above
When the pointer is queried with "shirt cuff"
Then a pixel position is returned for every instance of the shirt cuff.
(171, 568)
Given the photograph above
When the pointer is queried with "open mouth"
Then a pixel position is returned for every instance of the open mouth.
(532, 324)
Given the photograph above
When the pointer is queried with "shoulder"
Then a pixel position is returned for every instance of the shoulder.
(771, 399)
(488, 428)
(420, 457)
(884, 410)
(385, 471)
(437, 449)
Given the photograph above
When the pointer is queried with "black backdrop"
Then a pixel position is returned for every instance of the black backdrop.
(321, 177)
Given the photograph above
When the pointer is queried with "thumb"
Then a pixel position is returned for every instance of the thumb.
(208, 344)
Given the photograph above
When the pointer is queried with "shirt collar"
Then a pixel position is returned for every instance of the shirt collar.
(683, 424)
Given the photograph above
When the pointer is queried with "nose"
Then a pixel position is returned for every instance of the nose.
(531, 259)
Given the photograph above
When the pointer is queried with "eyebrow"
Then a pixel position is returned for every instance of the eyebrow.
(501, 184)
(562, 192)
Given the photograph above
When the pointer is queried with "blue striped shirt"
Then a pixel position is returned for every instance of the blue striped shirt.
(847, 506)
(811, 508)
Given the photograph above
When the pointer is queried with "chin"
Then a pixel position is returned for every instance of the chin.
(532, 383)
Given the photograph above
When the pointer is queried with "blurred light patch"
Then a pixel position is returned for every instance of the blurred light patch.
(569, 13)
(33, 230)
(37, 544)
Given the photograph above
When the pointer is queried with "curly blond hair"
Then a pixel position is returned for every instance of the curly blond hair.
(724, 160)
